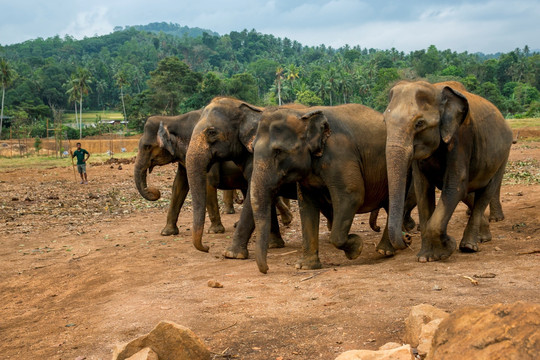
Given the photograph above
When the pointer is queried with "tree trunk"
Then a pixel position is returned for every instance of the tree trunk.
(2, 111)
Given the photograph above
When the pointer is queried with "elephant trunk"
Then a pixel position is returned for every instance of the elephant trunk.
(398, 159)
(261, 191)
(141, 168)
(197, 161)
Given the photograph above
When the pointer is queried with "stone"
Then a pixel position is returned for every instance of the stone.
(144, 354)
(418, 317)
(403, 352)
(390, 345)
(426, 336)
(169, 341)
(500, 331)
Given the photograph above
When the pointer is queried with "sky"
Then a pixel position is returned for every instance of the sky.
(487, 26)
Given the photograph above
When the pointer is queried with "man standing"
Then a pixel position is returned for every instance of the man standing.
(82, 156)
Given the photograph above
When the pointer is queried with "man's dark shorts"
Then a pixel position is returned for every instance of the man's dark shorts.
(81, 168)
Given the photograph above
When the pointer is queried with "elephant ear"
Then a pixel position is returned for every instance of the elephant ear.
(317, 131)
(166, 139)
(454, 110)
(248, 125)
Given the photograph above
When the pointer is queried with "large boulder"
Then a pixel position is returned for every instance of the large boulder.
(399, 353)
(169, 341)
(418, 317)
(501, 331)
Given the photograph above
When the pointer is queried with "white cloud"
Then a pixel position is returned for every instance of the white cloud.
(89, 23)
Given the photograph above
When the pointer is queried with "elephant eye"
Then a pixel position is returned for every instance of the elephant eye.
(419, 124)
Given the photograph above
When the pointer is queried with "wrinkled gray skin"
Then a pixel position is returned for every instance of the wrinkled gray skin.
(336, 155)
(226, 132)
(455, 141)
(164, 141)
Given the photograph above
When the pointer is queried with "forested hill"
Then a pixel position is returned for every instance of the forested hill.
(153, 71)
(171, 29)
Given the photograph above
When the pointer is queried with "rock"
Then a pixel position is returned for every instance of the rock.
(144, 354)
(169, 341)
(214, 284)
(420, 315)
(508, 331)
(426, 336)
(390, 345)
(400, 353)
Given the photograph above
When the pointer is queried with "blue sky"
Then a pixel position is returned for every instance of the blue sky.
(478, 25)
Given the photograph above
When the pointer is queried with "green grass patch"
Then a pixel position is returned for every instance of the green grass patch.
(91, 116)
(34, 161)
(525, 172)
(524, 123)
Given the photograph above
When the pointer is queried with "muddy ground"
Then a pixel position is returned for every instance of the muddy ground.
(83, 268)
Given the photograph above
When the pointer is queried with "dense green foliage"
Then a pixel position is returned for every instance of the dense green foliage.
(152, 70)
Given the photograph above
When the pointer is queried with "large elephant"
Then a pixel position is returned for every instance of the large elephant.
(226, 132)
(454, 140)
(165, 140)
(336, 155)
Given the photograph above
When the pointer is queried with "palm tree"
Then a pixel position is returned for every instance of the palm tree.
(84, 81)
(6, 78)
(279, 77)
(73, 92)
(121, 80)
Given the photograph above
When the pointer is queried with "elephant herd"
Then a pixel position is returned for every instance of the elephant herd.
(338, 161)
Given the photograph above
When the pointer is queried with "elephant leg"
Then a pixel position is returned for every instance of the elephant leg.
(373, 220)
(477, 229)
(345, 205)
(410, 204)
(212, 207)
(276, 241)
(242, 232)
(179, 192)
(495, 207)
(283, 206)
(436, 244)
(228, 199)
(384, 247)
(309, 218)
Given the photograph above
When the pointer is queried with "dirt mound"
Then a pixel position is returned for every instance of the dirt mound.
(114, 161)
(496, 332)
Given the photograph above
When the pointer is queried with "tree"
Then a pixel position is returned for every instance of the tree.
(279, 77)
(83, 82)
(172, 82)
(122, 80)
(6, 78)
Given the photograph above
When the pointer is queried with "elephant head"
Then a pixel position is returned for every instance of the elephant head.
(421, 118)
(165, 140)
(287, 141)
(225, 131)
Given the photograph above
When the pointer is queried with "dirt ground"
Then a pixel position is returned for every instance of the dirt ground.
(83, 268)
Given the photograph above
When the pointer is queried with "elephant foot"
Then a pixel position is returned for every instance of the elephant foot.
(286, 218)
(409, 223)
(437, 250)
(468, 247)
(236, 252)
(385, 248)
(353, 247)
(275, 242)
(484, 233)
(496, 215)
(216, 229)
(308, 263)
(228, 210)
(170, 230)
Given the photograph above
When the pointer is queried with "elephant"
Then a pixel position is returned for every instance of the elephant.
(336, 155)
(226, 132)
(453, 140)
(164, 141)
